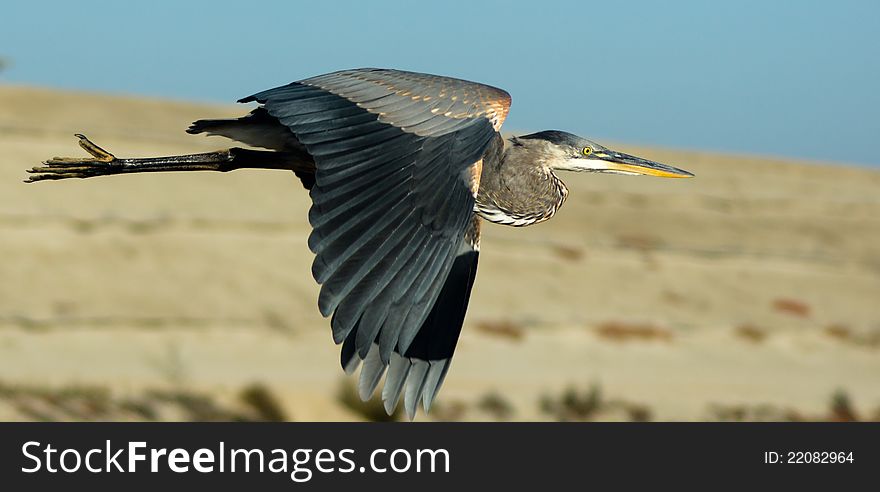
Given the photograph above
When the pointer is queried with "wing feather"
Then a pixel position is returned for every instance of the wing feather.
(414, 385)
(371, 373)
(467, 100)
(338, 176)
(392, 214)
(397, 373)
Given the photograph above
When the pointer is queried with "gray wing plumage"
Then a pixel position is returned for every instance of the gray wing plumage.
(423, 104)
(424, 364)
(392, 205)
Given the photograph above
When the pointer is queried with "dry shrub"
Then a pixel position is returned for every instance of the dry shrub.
(792, 307)
(501, 328)
(638, 412)
(265, 405)
(492, 404)
(496, 405)
(372, 410)
(838, 331)
(751, 333)
(840, 409)
(574, 405)
(94, 403)
(619, 331)
(571, 253)
(449, 410)
(870, 339)
(193, 407)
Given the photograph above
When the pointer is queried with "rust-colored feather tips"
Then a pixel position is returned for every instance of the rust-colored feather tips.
(423, 104)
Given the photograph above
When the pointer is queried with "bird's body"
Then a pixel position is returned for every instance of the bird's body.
(401, 169)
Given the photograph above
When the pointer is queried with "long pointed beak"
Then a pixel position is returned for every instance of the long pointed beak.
(618, 162)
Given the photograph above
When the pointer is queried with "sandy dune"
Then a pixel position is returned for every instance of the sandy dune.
(757, 283)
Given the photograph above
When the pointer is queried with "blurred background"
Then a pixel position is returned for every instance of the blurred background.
(748, 293)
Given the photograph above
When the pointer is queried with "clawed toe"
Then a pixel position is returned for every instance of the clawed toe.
(75, 167)
(90, 147)
(67, 161)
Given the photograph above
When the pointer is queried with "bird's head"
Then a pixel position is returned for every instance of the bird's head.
(566, 152)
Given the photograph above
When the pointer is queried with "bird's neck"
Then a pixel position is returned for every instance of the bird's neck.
(516, 187)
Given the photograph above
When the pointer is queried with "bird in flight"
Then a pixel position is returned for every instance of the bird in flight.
(401, 168)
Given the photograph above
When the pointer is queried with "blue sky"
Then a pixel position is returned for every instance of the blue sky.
(788, 78)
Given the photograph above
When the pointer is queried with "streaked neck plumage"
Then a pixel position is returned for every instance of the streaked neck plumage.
(517, 185)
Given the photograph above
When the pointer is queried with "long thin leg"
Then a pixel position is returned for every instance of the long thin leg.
(104, 163)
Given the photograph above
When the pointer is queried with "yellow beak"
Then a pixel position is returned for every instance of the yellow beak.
(618, 162)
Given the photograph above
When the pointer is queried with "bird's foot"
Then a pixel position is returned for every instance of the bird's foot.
(102, 163)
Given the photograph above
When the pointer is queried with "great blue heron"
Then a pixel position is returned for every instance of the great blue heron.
(401, 167)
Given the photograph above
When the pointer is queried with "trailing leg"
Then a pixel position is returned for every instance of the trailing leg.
(104, 163)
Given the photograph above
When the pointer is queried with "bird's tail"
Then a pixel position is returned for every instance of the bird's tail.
(257, 129)
(211, 127)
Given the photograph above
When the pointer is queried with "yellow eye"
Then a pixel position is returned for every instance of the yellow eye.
(588, 151)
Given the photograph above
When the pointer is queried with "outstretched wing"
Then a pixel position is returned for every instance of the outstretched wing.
(397, 158)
